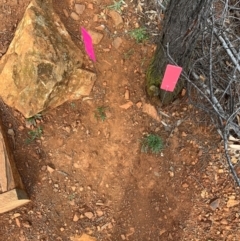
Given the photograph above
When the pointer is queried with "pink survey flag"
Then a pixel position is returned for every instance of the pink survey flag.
(87, 40)
(171, 77)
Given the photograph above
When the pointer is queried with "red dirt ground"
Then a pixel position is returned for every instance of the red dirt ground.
(89, 176)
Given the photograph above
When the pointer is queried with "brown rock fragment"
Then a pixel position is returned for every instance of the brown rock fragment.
(214, 204)
(127, 105)
(65, 13)
(117, 42)
(83, 237)
(79, 8)
(96, 36)
(74, 16)
(151, 111)
(232, 203)
(116, 17)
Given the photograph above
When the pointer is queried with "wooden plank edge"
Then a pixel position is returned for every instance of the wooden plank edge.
(12, 199)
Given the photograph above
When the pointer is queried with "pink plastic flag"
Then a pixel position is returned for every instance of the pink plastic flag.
(87, 40)
(171, 77)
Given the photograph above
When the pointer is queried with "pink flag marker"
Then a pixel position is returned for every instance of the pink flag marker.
(87, 40)
(171, 77)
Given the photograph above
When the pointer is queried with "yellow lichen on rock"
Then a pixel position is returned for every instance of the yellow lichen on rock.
(42, 67)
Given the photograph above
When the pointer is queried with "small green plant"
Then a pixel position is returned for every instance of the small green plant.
(73, 105)
(139, 34)
(34, 134)
(117, 6)
(100, 113)
(152, 143)
(33, 120)
(71, 196)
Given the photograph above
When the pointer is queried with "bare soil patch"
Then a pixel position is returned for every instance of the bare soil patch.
(88, 175)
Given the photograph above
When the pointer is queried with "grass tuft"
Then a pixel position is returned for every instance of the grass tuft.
(117, 6)
(34, 134)
(100, 113)
(152, 143)
(139, 34)
(33, 120)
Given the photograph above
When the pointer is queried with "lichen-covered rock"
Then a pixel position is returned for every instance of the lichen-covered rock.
(42, 67)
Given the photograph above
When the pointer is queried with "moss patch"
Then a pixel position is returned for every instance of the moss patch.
(153, 80)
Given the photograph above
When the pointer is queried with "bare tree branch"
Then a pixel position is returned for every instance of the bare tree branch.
(214, 77)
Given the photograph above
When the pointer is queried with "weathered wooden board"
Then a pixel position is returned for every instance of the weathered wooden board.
(12, 194)
(12, 199)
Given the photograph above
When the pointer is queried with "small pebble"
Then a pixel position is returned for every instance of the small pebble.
(65, 13)
(89, 215)
(74, 16)
(79, 8)
(75, 218)
(127, 95)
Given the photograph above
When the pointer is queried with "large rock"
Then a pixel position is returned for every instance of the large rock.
(42, 67)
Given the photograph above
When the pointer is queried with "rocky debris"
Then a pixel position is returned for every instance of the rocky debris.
(184, 134)
(183, 93)
(139, 104)
(100, 27)
(83, 237)
(96, 37)
(162, 231)
(151, 111)
(127, 94)
(12, 2)
(127, 105)
(106, 226)
(95, 18)
(18, 222)
(79, 8)
(214, 204)
(3, 49)
(90, 6)
(74, 16)
(116, 17)
(16, 215)
(50, 169)
(65, 13)
(75, 218)
(70, 3)
(99, 213)
(117, 42)
(42, 67)
(89, 215)
(171, 173)
(26, 224)
(232, 203)
(123, 237)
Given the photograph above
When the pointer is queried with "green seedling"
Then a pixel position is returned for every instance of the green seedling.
(117, 6)
(100, 113)
(33, 120)
(139, 34)
(34, 134)
(73, 105)
(152, 143)
(71, 196)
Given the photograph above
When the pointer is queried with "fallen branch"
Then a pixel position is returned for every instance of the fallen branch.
(227, 48)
